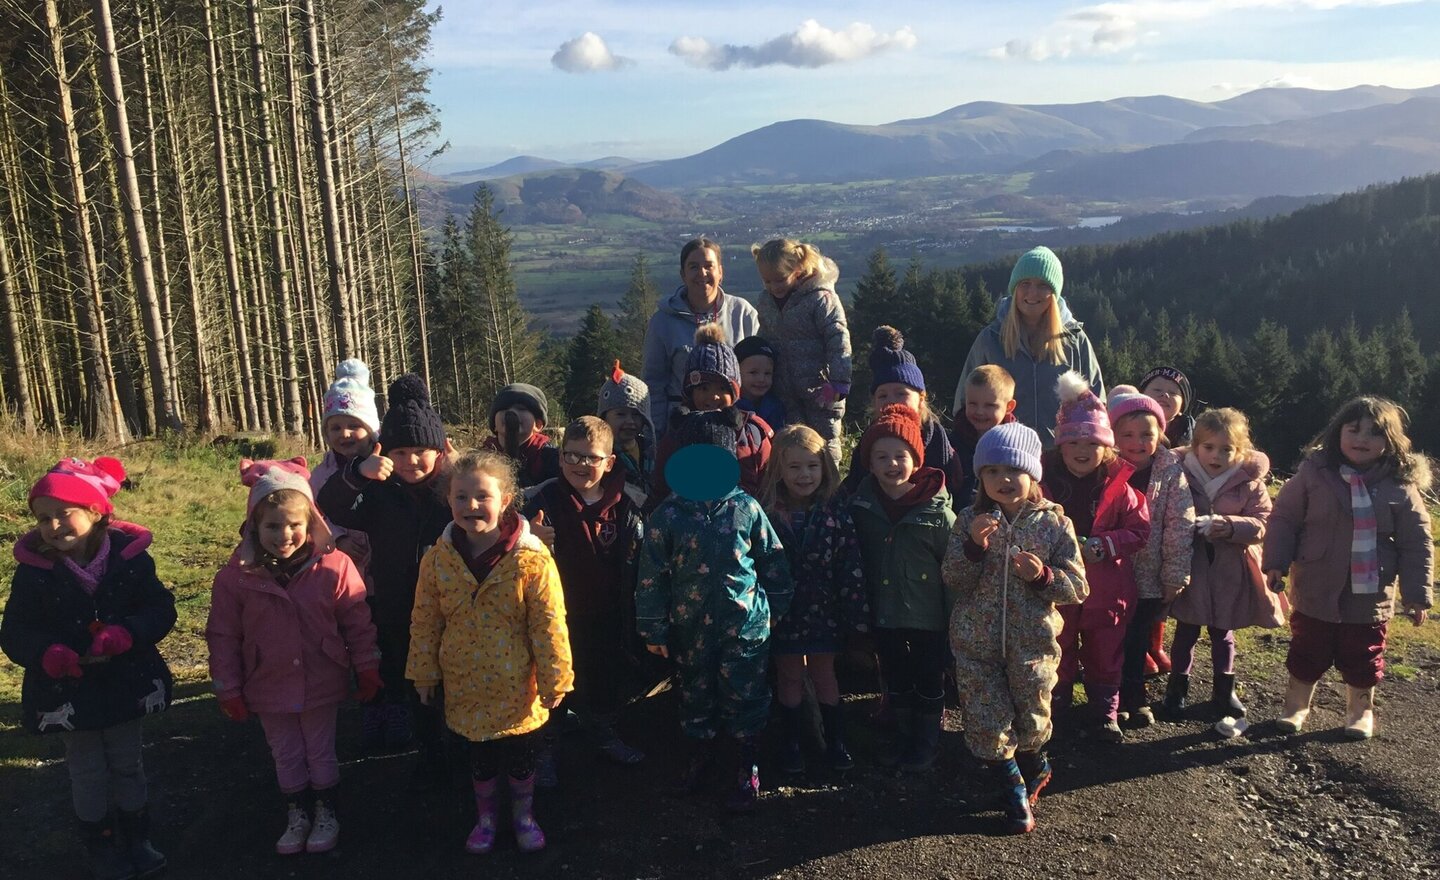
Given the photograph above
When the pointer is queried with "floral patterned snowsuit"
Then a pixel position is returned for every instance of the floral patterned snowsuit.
(713, 576)
(1004, 631)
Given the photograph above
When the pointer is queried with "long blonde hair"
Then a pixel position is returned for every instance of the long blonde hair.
(1226, 422)
(774, 495)
(1047, 345)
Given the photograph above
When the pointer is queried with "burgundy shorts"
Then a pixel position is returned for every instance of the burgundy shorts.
(1357, 650)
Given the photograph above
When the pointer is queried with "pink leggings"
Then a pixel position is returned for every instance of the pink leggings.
(303, 744)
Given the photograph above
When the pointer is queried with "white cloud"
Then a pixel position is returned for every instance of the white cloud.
(1283, 81)
(810, 45)
(1108, 28)
(587, 53)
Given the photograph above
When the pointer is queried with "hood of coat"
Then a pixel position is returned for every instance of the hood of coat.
(677, 304)
(526, 540)
(1256, 466)
(825, 278)
(936, 496)
(127, 538)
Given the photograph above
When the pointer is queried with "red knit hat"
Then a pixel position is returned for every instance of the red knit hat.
(899, 421)
(84, 483)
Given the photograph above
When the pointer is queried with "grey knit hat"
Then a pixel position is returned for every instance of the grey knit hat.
(625, 391)
(521, 394)
(1011, 444)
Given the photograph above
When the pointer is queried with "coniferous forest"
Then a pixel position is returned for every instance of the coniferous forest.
(205, 204)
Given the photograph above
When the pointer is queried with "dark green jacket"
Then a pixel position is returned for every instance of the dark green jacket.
(902, 561)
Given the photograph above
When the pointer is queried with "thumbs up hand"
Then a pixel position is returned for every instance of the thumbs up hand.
(541, 530)
(377, 466)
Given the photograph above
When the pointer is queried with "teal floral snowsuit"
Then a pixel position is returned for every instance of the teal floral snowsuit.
(713, 576)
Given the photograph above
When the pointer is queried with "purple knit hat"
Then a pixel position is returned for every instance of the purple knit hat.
(1081, 415)
(1124, 400)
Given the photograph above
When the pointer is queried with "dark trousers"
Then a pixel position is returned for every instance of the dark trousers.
(913, 661)
(513, 754)
(1137, 645)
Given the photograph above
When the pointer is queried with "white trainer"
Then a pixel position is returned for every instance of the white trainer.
(297, 830)
(326, 831)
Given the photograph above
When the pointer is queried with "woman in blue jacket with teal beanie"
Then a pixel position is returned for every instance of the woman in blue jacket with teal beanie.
(1036, 339)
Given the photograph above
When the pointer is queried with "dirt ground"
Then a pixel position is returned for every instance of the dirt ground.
(1173, 801)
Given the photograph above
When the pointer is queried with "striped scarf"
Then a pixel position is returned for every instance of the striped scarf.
(1364, 557)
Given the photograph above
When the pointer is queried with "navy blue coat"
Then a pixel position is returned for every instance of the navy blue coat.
(48, 606)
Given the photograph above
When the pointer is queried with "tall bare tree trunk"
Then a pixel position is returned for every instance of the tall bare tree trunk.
(279, 267)
(325, 179)
(103, 401)
(156, 332)
(10, 331)
(204, 390)
(250, 408)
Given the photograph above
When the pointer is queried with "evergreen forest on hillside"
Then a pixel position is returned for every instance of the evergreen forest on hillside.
(206, 204)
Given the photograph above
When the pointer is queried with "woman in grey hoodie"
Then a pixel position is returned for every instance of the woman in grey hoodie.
(671, 332)
(1035, 338)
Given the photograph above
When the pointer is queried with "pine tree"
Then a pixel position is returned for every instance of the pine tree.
(1268, 365)
(590, 356)
(507, 349)
(1405, 365)
(875, 303)
(636, 307)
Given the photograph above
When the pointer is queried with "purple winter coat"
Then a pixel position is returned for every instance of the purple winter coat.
(1309, 536)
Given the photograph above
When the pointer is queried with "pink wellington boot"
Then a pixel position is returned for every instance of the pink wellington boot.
(482, 836)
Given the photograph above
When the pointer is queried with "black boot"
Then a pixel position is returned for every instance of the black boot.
(1223, 699)
(925, 733)
(792, 754)
(103, 854)
(896, 738)
(1177, 689)
(836, 753)
(700, 754)
(135, 833)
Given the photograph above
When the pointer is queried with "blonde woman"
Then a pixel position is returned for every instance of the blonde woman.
(1036, 339)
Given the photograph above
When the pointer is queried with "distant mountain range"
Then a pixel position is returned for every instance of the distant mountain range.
(1265, 142)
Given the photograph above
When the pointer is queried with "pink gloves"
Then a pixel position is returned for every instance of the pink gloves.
(830, 392)
(60, 661)
(368, 685)
(110, 640)
(234, 708)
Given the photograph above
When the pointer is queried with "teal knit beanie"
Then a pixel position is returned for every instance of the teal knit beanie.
(1039, 262)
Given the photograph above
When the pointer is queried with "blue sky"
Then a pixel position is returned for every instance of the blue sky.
(581, 79)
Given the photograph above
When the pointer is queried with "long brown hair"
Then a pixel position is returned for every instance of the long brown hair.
(1390, 417)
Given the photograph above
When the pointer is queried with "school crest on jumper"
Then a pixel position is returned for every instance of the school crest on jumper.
(605, 533)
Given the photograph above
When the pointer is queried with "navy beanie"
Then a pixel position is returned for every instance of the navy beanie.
(409, 421)
(711, 358)
(890, 362)
(714, 428)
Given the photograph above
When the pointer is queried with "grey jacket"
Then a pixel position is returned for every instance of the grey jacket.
(668, 339)
(1035, 400)
(810, 336)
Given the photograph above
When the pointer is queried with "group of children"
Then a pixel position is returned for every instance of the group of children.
(467, 594)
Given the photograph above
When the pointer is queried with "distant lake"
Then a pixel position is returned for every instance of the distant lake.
(1085, 223)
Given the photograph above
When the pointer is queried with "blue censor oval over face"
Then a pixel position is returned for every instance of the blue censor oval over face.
(702, 473)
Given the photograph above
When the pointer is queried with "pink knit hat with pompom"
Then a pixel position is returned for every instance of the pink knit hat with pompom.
(1081, 415)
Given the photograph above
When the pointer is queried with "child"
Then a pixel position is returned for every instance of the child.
(288, 621)
(1112, 523)
(1349, 527)
(1171, 389)
(489, 624)
(83, 618)
(758, 360)
(903, 517)
(896, 379)
(394, 496)
(802, 316)
(989, 402)
(1227, 591)
(350, 425)
(1162, 566)
(712, 382)
(518, 416)
(1010, 560)
(625, 406)
(712, 578)
(830, 602)
(595, 516)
